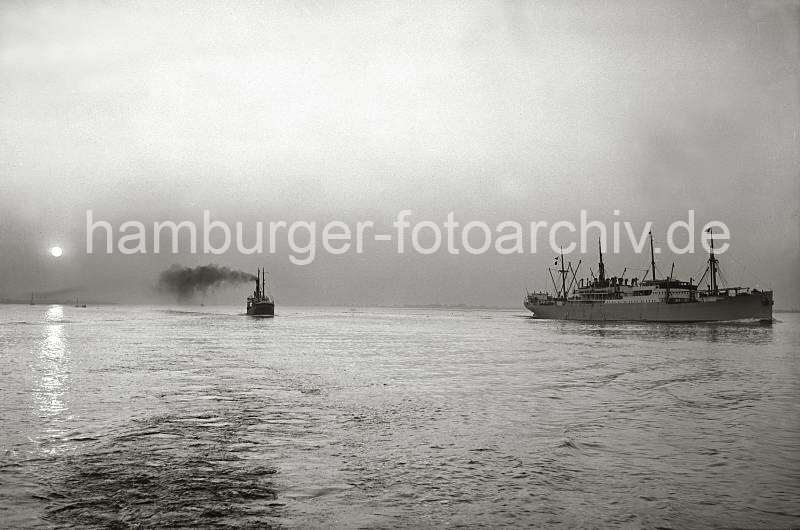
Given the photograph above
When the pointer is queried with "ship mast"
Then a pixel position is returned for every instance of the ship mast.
(712, 263)
(601, 267)
(563, 272)
(652, 257)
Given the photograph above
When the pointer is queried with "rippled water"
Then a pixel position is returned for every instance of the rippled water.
(381, 417)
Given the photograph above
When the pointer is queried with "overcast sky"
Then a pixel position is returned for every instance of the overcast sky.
(348, 110)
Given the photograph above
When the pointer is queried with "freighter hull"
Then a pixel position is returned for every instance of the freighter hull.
(756, 305)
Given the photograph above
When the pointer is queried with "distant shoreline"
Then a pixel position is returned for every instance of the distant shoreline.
(462, 307)
(414, 306)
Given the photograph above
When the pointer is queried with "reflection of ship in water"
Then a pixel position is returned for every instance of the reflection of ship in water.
(260, 303)
(650, 300)
(730, 332)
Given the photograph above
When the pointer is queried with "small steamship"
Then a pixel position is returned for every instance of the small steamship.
(648, 300)
(260, 303)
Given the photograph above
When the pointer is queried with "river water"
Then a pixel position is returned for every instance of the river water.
(393, 417)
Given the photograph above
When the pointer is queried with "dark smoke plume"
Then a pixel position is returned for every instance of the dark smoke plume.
(185, 282)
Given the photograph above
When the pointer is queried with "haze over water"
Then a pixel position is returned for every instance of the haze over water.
(387, 417)
(495, 111)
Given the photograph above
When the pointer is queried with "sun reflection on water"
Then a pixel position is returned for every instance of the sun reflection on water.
(52, 374)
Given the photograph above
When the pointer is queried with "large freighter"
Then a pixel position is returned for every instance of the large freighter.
(650, 300)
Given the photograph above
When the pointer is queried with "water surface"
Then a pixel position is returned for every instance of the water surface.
(386, 417)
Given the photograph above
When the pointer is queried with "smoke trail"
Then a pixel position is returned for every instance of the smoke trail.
(185, 282)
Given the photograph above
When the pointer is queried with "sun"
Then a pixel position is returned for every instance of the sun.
(56, 251)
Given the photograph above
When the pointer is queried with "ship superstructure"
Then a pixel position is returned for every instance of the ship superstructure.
(648, 299)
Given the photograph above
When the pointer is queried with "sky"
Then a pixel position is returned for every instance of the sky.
(320, 111)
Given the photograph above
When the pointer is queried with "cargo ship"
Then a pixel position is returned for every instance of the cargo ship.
(652, 299)
(260, 303)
